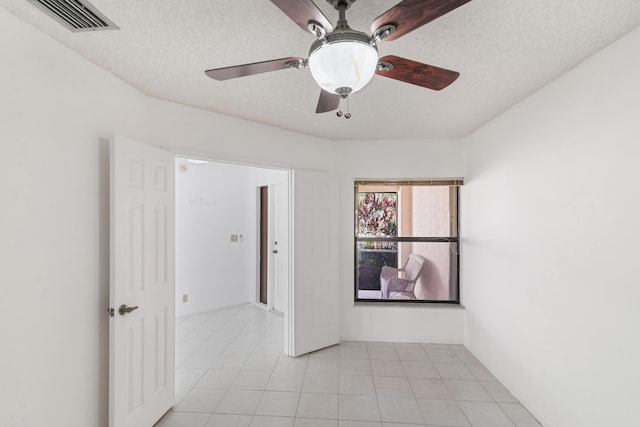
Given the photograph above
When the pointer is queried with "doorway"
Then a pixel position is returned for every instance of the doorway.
(264, 246)
(220, 258)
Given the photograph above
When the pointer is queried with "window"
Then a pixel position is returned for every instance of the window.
(406, 241)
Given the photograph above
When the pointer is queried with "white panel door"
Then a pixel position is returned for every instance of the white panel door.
(314, 299)
(280, 246)
(141, 340)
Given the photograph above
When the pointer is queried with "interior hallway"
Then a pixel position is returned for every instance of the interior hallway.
(230, 371)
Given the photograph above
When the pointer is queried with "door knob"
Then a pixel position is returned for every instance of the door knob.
(275, 251)
(124, 309)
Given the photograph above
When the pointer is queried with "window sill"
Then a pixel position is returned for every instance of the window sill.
(409, 303)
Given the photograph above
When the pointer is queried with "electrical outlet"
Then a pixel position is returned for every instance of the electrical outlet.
(185, 298)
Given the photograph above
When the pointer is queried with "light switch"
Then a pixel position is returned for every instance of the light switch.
(234, 237)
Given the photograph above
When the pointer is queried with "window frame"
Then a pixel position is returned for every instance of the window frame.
(452, 240)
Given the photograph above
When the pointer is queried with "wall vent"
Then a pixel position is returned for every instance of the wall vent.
(76, 15)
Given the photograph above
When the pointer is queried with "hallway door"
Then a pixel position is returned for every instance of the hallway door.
(280, 247)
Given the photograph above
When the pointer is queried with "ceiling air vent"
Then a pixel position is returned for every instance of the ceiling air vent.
(76, 15)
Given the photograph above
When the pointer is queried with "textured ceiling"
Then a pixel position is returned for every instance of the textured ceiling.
(504, 51)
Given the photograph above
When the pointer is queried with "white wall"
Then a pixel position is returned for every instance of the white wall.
(393, 159)
(57, 112)
(199, 133)
(212, 203)
(550, 232)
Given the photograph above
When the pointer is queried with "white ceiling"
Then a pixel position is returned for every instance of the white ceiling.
(503, 49)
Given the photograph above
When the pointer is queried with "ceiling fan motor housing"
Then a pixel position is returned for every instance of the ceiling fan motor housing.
(341, 4)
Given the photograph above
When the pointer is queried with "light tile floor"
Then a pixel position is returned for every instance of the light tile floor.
(231, 373)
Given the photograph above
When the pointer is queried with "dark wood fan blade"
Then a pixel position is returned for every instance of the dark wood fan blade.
(424, 75)
(302, 12)
(236, 71)
(327, 102)
(408, 15)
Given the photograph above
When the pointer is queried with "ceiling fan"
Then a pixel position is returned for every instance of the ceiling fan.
(342, 60)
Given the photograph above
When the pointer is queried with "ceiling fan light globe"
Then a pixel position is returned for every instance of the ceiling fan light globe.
(343, 64)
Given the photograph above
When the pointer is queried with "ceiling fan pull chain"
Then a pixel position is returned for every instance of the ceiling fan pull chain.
(339, 113)
(348, 114)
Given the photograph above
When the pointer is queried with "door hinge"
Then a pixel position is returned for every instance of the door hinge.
(110, 311)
